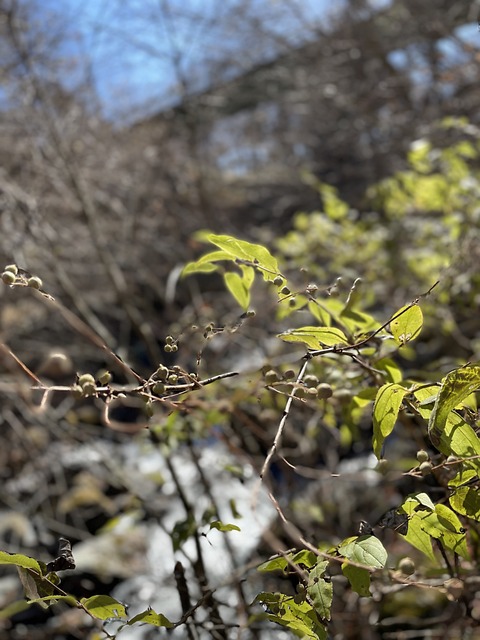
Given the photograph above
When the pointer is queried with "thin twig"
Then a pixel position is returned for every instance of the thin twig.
(281, 426)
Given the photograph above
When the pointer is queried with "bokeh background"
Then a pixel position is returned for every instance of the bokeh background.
(342, 135)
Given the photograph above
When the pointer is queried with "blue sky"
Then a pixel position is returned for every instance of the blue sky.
(130, 42)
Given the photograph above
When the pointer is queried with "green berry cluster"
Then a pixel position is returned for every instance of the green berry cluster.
(84, 387)
(311, 387)
(171, 345)
(10, 276)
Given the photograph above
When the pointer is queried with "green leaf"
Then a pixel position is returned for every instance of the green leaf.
(13, 609)
(35, 586)
(237, 287)
(456, 386)
(52, 599)
(408, 325)
(104, 607)
(320, 591)
(391, 368)
(182, 531)
(366, 550)
(150, 617)
(241, 250)
(221, 526)
(335, 208)
(459, 439)
(298, 617)
(416, 534)
(206, 263)
(276, 564)
(444, 525)
(20, 560)
(385, 413)
(359, 579)
(466, 501)
(315, 337)
(305, 558)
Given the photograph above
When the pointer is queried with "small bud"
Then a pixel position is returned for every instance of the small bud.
(35, 282)
(172, 379)
(169, 340)
(168, 348)
(300, 392)
(250, 313)
(406, 566)
(292, 302)
(289, 374)
(312, 391)
(11, 267)
(8, 277)
(285, 291)
(426, 468)
(324, 390)
(422, 455)
(278, 281)
(311, 289)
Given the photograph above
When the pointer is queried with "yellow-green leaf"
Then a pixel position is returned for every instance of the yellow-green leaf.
(456, 386)
(241, 250)
(385, 413)
(367, 550)
(104, 607)
(316, 337)
(359, 579)
(222, 526)
(320, 591)
(391, 368)
(416, 534)
(444, 525)
(466, 501)
(20, 560)
(237, 288)
(150, 617)
(408, 325)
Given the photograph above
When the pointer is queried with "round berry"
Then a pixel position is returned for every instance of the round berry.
(35, 282)
(8, 277)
